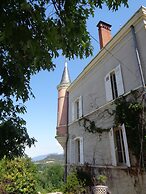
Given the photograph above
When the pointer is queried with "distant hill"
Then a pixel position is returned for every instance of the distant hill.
(38, 158)
(50, 158)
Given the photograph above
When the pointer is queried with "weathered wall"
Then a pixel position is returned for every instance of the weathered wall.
(119, 180)
(96, 149)
(92, 87)
(123, 181)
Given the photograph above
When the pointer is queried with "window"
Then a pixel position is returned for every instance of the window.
(114, 84)
(77, 108)
(76, 151)
(119, 146)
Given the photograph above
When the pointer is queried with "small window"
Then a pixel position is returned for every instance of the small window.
(77, 108)
(78, 150)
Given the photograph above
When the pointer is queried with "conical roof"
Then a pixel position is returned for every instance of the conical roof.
(65, 76)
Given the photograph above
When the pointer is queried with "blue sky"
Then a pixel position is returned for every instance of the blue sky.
(41, 113)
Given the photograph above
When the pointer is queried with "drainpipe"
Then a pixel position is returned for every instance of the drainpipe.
(141, 158)
(65, 170)
(138, 56)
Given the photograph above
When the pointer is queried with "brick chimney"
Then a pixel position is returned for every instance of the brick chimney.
(104, 30)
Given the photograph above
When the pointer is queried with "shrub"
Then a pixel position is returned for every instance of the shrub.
(50, 177)
(73, 184)
(17, 176)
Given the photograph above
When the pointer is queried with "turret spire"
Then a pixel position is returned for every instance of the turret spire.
(65, 76)
(62, 115)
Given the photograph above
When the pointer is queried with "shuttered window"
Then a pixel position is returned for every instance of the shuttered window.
(119, 146)
(114, 84)
(77, 110)
(108, 88)
(126, 145)
(119, 80)
(112, 148)
(79, 157)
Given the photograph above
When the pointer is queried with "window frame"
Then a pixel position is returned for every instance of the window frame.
(79, 155)
(77, 108)
(76, 151)
(119, 146)
(114, 86)
(113, 147)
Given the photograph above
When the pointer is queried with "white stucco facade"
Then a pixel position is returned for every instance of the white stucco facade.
(89, 97)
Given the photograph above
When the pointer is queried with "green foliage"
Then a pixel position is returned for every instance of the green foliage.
(17, 176)
(14, 138)
(73, 185)
(102, 179)
(84, 175)
(50, 177)
(13, 133)
(91, 127)
(31, 36)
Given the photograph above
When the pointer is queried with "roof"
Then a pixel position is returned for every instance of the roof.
(65, 80)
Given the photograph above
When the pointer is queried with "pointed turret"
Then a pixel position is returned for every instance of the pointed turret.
(62, 116)
(65, 80)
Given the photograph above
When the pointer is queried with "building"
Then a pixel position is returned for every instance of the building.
(87, 127)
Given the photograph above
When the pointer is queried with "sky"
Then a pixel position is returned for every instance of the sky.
(41, 116)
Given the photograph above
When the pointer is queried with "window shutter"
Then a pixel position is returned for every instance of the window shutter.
(125, 145)
(80, 107)
(112, 147)
(108, 88)
(81, 151)
(72, 151)
(73, 112)
(119, 80)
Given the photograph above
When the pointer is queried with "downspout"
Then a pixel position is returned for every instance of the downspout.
(141, 158)
(138, 56)
(65, 170)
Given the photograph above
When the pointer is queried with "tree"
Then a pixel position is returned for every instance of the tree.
(17, 176)
(14, 138)
(32, 34)
(50, 177)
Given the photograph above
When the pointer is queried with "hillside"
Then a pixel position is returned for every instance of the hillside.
(51, 158)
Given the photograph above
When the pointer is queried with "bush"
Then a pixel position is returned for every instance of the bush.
(73, 184)
(50, 177)
(17, 176)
